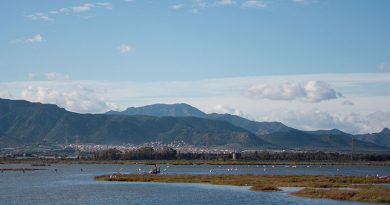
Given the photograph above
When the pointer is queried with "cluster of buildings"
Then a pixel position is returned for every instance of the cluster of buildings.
(179, 146)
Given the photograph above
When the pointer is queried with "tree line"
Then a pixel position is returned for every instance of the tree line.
(148, 153)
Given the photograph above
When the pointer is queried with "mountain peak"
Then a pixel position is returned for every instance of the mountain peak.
(160, 110)
(385, 130)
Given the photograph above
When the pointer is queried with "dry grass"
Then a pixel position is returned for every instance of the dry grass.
(320, 186)
(377, 194)
(250, 180)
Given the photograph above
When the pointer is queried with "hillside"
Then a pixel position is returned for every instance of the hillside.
(161, 110)
(186, 110)
(300, 140)
(274, 132)
(381, 138)
(258, 128)
(22, 122)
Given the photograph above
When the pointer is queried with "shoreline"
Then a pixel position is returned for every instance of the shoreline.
(353, 188)
(191, 162)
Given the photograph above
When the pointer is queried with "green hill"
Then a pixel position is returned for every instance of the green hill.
(22, 122)
(273, 132)
(300, 140)
(381, 138)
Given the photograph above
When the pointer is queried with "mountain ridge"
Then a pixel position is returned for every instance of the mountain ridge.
(22, 122)
(279, 134)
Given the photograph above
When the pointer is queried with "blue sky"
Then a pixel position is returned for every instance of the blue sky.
(280, 60)
(284, 37)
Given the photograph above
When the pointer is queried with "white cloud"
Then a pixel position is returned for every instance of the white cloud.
(82, 8)
(198, 5)
(64, 10)
(177, 6)
(384, 67)
(79, 99)
(300, 1)
(223, 109)
(317, 91)
(50, 76)
(34, 39)
(313, 91)
(106, 5)
(125, 48)
(254, 4)
(44, 16)
(5, 93)
(39, 17)
(225, 2)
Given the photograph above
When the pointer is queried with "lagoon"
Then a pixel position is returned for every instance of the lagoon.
(74, 184)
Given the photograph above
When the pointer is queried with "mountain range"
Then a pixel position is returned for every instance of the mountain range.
(23, 123)
(274, 132)
(27, 123)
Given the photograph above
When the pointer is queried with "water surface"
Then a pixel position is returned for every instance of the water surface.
(74, 184)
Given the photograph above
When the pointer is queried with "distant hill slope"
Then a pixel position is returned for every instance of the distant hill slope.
(381, 138)
(322, 140)
(22, 122)
(259, 128)
(274, 132)
(329, 132)
(185, 110)
(162, 110)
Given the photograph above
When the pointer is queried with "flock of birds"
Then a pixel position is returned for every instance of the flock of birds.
(219, 170)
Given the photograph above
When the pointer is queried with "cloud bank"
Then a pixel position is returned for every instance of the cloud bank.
(312, 91)
(81, 99)
(364, 109)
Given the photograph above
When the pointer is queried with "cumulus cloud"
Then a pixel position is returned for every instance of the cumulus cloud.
(125, 48)
(82, 8)
(80, 99)
(254, 4)
(384, 67)
(177, 6)
(312, 91)
(225, 2)
(34, 39)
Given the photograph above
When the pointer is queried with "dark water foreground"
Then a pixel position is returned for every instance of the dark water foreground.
(74, 184)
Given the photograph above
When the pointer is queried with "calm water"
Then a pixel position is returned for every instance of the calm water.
(70, 185)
